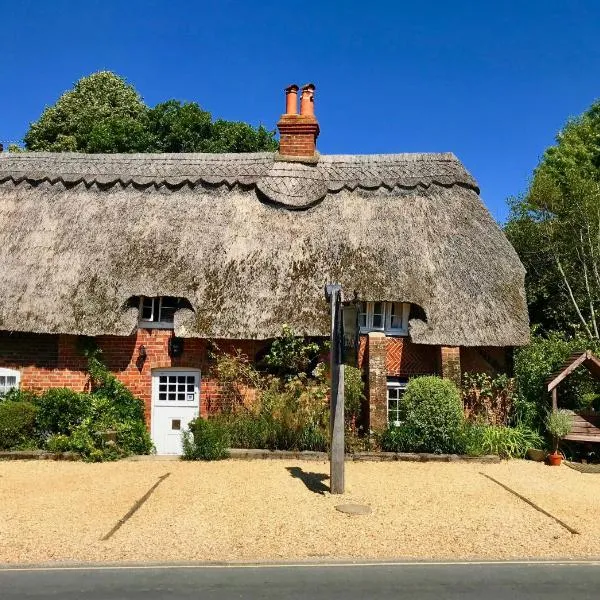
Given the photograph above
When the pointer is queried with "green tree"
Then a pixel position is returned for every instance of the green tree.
(555, 228)
(103, 113)
(185, 127)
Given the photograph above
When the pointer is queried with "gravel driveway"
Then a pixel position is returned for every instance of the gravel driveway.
(236, 510)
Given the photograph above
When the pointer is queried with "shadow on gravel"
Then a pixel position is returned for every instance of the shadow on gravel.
(313, 481)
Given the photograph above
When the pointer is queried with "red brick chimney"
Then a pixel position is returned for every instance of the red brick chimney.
(298, 132)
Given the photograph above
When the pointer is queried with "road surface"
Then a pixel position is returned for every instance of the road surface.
(416, 581)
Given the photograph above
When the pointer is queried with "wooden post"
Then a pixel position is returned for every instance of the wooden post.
(554, 400)
(336, 419)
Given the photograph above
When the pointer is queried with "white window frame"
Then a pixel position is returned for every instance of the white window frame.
(393, 385)
(4, 372)
(387, 320)
(150, 323)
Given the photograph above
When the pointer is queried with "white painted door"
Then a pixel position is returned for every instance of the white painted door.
(175, 402)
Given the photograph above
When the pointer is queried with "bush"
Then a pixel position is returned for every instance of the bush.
(205, 440)
(17, 425)
(559, 423)
(20, 395)
(535, 363)
(61, 410)
(432, 415)
(291, 355)
(506, 442)
(58, 443)
(488, 399)
(235, 374)
(354, 387)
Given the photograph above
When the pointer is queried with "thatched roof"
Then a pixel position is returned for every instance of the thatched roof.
(250, 241)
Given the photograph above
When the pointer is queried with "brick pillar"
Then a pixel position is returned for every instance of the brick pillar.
(450, 356)
(377, 381)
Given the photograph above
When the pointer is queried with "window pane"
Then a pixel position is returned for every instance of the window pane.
(362, 314)
(162, 396)
(168, 306)
(172, 396)
(191, 387)
(163, 379)
(191, 379)
(180, 396)
(147, 308)
(181, 379)
(11, 381)
(396, 315)
(167, 315)
(2, 380)
(377, 315)
(172, 379)
(169, 302)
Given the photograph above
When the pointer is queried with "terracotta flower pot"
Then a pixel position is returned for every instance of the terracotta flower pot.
(554, 459)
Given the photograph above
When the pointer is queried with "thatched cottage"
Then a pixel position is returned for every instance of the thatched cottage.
(154, 255)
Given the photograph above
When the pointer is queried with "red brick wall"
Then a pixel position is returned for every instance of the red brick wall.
(48, 361)
(491, 360)
(403, 357)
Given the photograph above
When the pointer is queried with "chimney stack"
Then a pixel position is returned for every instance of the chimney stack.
(298, 132)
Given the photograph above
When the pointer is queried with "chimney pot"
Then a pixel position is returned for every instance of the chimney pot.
(307, 100)
(291, 100)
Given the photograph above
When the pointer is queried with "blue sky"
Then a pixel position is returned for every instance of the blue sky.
(490, 81)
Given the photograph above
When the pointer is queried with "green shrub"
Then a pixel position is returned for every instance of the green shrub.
(488, 399)
(17, 425)
(125, 405)
(61, 410)
(535, 362)
(58, 443)
(506, 442)
(291, 355)
(20, 395)
(400, 438)
(205, 440)
(354, 388)
(432, 415)
(559, 423)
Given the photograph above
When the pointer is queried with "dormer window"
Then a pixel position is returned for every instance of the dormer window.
(389, 317)
(159, 311)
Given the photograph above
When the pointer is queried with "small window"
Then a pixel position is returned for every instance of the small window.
(395, 391)
(389, 317)
(9, 380)
(159, 311)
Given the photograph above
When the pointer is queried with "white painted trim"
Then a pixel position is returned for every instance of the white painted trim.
(155, 325)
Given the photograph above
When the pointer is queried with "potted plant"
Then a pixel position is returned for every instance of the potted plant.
(559, 424)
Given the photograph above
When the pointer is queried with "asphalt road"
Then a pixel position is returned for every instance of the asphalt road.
(491, 581)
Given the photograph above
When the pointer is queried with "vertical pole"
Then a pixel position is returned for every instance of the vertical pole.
(554, 400)
(336, 419)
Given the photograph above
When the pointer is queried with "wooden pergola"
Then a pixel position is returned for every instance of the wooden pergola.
(586, 423)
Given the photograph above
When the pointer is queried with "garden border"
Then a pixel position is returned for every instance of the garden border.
(37, 455)
(251, 454)
(258, 454)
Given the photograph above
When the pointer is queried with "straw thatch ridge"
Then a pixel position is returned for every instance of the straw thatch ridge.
(250, 242)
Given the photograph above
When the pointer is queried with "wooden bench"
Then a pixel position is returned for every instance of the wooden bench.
(586, 427)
